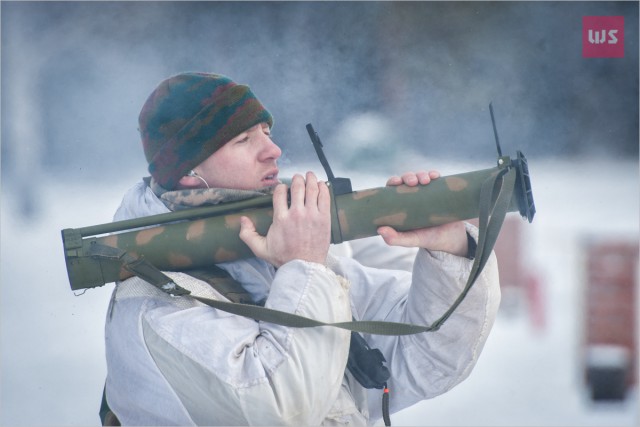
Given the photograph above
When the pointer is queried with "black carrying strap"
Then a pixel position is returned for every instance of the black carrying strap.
(498, 188)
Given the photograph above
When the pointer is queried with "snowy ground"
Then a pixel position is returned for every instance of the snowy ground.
(51, 341)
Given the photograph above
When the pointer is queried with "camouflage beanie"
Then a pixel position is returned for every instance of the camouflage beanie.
(188, 117)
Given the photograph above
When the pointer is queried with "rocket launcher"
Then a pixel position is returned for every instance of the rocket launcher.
(199, 237)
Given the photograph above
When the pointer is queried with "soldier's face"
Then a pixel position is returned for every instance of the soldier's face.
(247, 162)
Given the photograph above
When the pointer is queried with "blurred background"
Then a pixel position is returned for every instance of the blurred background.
(389, 87)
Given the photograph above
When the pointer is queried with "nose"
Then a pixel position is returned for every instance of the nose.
(270, 150)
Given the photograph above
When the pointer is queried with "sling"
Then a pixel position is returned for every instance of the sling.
(495, 197)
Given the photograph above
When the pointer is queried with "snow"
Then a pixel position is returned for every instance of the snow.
(51, 341)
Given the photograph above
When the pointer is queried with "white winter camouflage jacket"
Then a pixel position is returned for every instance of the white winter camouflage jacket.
(176, 361)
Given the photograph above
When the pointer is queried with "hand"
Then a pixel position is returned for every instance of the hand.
(300, 231)
(451, 237)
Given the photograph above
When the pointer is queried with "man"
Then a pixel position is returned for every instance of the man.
(176, 361)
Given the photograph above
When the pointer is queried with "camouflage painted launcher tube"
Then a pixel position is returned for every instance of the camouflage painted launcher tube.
(196, 243)
(444, 200)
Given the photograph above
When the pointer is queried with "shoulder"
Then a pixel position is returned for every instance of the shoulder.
(139, 201)
(141, 293)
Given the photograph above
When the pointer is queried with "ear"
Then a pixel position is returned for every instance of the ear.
(189, 182)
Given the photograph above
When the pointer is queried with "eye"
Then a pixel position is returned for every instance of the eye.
(242, 140)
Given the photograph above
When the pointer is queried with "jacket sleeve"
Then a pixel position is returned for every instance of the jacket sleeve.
(425, 365)
(232, 370)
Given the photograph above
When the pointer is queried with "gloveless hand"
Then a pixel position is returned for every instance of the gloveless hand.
(451, 238)
(299, 231)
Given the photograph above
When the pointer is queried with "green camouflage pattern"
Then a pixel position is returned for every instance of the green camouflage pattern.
(203, 237)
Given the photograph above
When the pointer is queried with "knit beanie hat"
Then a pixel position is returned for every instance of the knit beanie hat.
(188, 117)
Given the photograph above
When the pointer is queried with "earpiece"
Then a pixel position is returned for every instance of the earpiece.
(194, 174)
